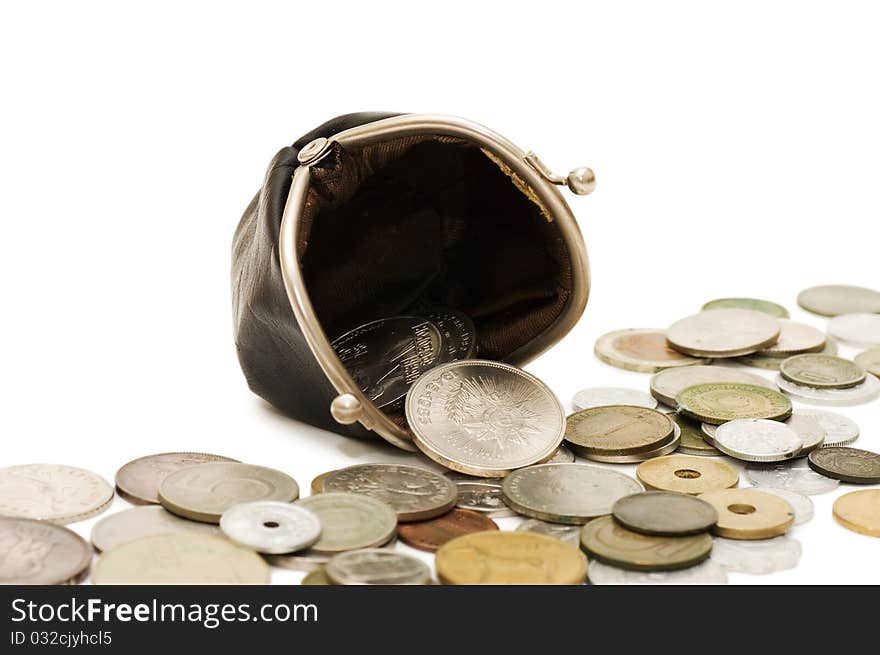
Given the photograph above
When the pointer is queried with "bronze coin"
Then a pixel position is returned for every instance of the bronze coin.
(430, 535)
(846, 464)
(664, 513)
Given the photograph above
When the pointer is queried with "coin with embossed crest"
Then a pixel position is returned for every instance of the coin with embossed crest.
(836, 299)
(839, 430)
(749, 513)
(137, 522)
(350, 521)
(870, 361)
(138, 481)
(645, 350)
(431, 534)
(856, 329)
(822, 371)
(605, 396)
(270, 526)
(377, 566)
(459, 333)
(793, 475)
(722, 333)
(757, 440)
(484, 418)
(570, 534)
(857, 395)
(483, 496)
(755, 304)
(757, 557)
(707, 572)
(859, 511)
(40, 553)
(52, 492)
(725, 401)
(617, 430)
(666, 385)
(846, 464)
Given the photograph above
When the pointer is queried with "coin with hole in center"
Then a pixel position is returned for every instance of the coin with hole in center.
(859, 511)
(749, 513)
(430, 535)
(350, 521)
(41, 553)
(720, 333)
(645, 350)
(686, 474)
(836, 299)
(757, 440)
(377, 566)
(271, 527)
(666, 385)
(138, 481)
(664, 514)
(851, 465)
(725, 401)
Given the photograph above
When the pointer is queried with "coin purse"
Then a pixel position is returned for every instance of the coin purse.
(370, 215)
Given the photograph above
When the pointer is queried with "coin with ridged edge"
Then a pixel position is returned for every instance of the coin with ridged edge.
(836, 299)
(755, 304)
(870, 361)
(138, 481)
(749, 513)
(725, 401)
(664, 514)
(52, 492)
(851, 465)
(757, 440)
(350, 521)
(859, 511)
(644, 350)
(375, 566)
(271, 527)
(720, 333)
(839, 430)
(130, 524)
(432, 534)
(822, 371)
(41, 553)
(666, 385)
(617, 430)
(686, 474)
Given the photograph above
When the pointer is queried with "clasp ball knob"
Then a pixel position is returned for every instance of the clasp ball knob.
(346, 409)
(581, 181)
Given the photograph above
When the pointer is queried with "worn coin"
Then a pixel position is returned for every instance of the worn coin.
(510, 558)
(836, 299)
(604, 539)
(686, 474)
(749, 513)
(566, 493)
(870, 361)
(755, 304)
(137, 522)
(617, 430)
(483, 496)
(666, 385)
(138, 481)
(270, 526)
(757, 440)
(802, 505)
(846, 464)
(795, 338)
(350, 521)
(414, 493)
(40, 553)
(562, 456)
(792, 475)
(317, 485)
(857, 395)
(52, 492)
(664, 513)
(725, 401)
(180, 558)
(642, 350)
(724, 333)
(605, 396)
(666, 447)
(808, 429)
(205, 491)
(570, 534)
(704, 573)
(859, 511)
(822, 371)
(316, 577)
(484, 418)
(459, 333)
(377, 566)
(692, 438)
(431, 534)
(758, 557)
(856, 329)
(839, 430)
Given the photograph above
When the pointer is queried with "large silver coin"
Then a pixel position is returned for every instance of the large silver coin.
(385, 357)
(137, 522)
(705, 573)
(566, 493)
(757, 440)
(484, 418)
(350, 521)
(724, 333)
(271, 527)
(836, 299)
(802, 505)
(858, 395)
(416, 494)
(810, 431)
(839, 430)
(856, 329)
(39, 553)
(758, 557)
(377, 566)
(459, 334)
(666, 385)
(482, 496)
(52, 492)
(139, 480)
(794, 476)
(795, 338)
(570, 534)
(607, 396)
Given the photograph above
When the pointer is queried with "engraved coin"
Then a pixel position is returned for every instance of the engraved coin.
(459, 333)
(605, 396)
(724, 333)
(570, 534)
(802, 505)
(138, 481)
(754, 304)
(686, 474)
(846, 464)
(792, 475)
(808, 429)
(40, 553)
(859, 511)
(483, 496)
(484, 418)
(642, 350)
(836, 299)
(316, 577)
(566, 493)
(839, 430)
(270, 526)
(856, 329)
(52, 492)
(430, 535)
(822, 371)
(758, 557)
(385, 357)
(137, 522)
(870, 361)
(857, 395)
(666, 447)
(562, 456)
(350, 521)
(725, 401)
(757, 440)
(510, 558)
(692, 438)
(180, 558)
(704, 573)
(205, 491)
(666, 385)
(414, 493)
(377, 566)
(317, 485)
(617, 430)
(605, 540)
(749, 513)
(664, 514)
(795, 338)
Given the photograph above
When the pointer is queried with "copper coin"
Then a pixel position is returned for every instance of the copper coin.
(430, 535)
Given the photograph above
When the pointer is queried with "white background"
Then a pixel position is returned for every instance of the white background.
(737, 152)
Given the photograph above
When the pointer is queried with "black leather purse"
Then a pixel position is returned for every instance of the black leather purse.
(372, 214)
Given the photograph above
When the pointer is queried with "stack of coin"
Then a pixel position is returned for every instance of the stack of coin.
(825, 379)
(621, 434)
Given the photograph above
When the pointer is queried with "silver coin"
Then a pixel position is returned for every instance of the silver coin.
(666, 385)
(566, 493)
(704, 573)
(137, 522)
(350, 521)
(795, 338)
(605, 396)
(757, 440)
(482, 496)
(802, 505)
(308, 560)
(271, 527)
(856, 329)
(836, 299)
(570, 534)
(459, 333)
(484, 418)
(633, 458)
(810, 431)
(857, 395)
(377, 566)
(562, 456)
(40, 553)
(138, 481)
(758, 557)
(52, 492)
(724, 333)
(839, 430)
(794, 476)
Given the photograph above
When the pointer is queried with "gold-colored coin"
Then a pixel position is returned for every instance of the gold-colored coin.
(317, 485)
(749, 513)
(509, 558)
(725, 401)
(692, 441)
(686, 474)
(859, 511)
(617, 430)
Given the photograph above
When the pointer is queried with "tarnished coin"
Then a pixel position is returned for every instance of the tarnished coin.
(605, 396)
(566, 493)
(859, 511)
(839, 430)
(856, 329)
(802, 505)
(414, 493)
(705, 573)
(757, 440)
(205, 491)
(484, 418)
(822, 371)
(350, 521)
(808, 429)
(758, 557)
(857, 395)
(385, 357)
(792, 475)
(272, 527)
(749, 513)
(686, 474)
(666, 385)
(430, 535)
(692, 438)
(725, 401)
(180, 558)
(664, 514)
(795, 338)
(138, 481)
(846, 464)
(642, 350)
(316, 577)
(604, 539)
(52, 492)
(617, 430)
(870, 361)
(377, 566)
(570, 534)
(562, 456)
(755, 304)
(483, 496)
(723, 333)
(317, 485)
(836, 299)
(137, 522)
(40, 553)
(510, 558)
